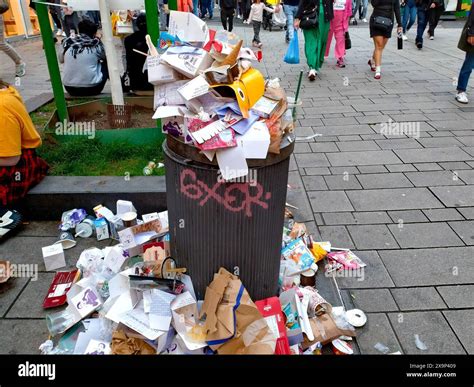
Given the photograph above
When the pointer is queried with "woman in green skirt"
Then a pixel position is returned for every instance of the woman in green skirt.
(313, 17)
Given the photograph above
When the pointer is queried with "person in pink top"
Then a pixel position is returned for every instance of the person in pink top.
(339, 26)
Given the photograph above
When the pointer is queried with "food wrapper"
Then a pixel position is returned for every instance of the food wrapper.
(125, 345)
(348, 259)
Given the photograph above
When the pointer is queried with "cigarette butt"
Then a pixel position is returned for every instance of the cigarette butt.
(140, 52)
(289, 205)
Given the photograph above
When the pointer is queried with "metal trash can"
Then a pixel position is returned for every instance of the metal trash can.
(235, 225)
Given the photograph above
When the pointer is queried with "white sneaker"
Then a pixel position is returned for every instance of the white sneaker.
(364, 20)
(312, 75)
(20, 69)
(431, 37)
(461, 97)
(404, 37)
(59, 33)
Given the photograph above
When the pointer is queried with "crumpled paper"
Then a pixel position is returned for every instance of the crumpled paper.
(124, 345)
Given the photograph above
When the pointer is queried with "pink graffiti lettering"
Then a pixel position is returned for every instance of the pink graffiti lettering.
(235, 197)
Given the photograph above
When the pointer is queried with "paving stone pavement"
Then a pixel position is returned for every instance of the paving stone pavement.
(404, 203)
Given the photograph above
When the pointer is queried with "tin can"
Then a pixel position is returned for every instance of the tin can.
(308, 278)
(86, 228)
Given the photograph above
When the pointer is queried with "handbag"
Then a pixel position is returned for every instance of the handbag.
(309, 19)
(383, 23)
(347, 39)
(4, 6)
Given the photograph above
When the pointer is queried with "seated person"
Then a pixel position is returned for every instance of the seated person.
(137, 77)
(85, 67)
(20, 167)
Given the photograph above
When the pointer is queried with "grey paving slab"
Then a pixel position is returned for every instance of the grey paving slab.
(430, 267)
(324, 147)
(423, 167)
(372, 169)
(468, 213)
(401, 168)
(393, 199)
(332, 201)
(29, 304)
(314, 183)
(443, 214)
(24, 336)
(338, 236)
(373, 276)
(409, 216)
(469, 150)
(363, 158)
(373, 300)
(457, 319)
(419, 235)
(465, 230)
(302, 147)
(376, 217)
(339, 218)
(462, 196)
(455, 165)
(311, 160)
(466, 176)
(424, 298)
(384, 180)
(433, 179)
(367, 237)
(433, 331)
(317, 171)
(432, 155)
(439, 142)
(296, 196)
(356, 146)
(457, 296)
(9, 291)
(39, 229)
(342, 182)
(377, 330)
(344, 170)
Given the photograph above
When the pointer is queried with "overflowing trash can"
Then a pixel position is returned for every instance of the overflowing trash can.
(216, 224)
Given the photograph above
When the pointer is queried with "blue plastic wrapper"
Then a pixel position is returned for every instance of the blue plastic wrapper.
(292, 55)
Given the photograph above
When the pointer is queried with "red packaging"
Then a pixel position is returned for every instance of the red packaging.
(270, 308)
(61, 284)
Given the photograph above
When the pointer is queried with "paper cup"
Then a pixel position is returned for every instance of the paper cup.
(129, 219)
(86, 228)
(67, 240)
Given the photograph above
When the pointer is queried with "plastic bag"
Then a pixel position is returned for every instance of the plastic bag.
(292, 55)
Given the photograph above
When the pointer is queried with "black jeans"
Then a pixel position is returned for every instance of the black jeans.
(71, 22)
(433, 18)
(92, 90)
(227, 18)
(256, 31)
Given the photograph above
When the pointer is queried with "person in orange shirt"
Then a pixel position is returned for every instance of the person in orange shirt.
(185, 5)
(20, 167)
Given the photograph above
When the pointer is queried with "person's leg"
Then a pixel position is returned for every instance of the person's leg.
(289, 22)
(330, 35)
(378, 43)
(195, 7)
(224, 18)
(310, 42)
(422, 20)
(340, 49)
(435, 14)
(405, 17)
(231, 19)
(465, 72)
(6, 48)
(412, 11)
(322, 37)
(365, 6)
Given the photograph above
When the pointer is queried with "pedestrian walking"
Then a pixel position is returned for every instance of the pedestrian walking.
(423, 7)
(338, 28)
(70, 21)
(409, 16)
(466, 43)
(314, 17)
(256, 17)
(207, 9)
(433, 16)
(290, 7)
(381, 25)
(228, 8)
(364, 6)
(20, 65)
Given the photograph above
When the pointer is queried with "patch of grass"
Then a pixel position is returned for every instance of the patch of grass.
(86, 157)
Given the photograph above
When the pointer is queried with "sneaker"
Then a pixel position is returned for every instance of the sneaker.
(59, 33)
(461, 97)
(20, 69)
(432, 37)
(372, 66)
(377, 75)
(10, 222)
(364, 20)
(312, 75)
(340, 63)
(404, 37)
(419, 45)
(259, 45)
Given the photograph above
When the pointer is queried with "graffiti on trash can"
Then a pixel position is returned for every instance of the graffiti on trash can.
(235, 197)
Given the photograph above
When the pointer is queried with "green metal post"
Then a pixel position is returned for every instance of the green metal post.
(153, 28)
(297, 95)
(52, 60)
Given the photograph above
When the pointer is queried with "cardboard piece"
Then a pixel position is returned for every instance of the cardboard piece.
(244, 124)
(256, 141)
(159, 73)
(53, 257)
(188, 27)
(232, 163)
(325, 330)
(140, 234)
(194, 88)
(166, 94)
(172, 120)
(137, 320)
(123, 344)
(270, 308)
(233, 323)
(160, 309)
(187, 60)
(58, 289)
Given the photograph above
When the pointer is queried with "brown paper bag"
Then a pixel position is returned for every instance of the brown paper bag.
(233, 323)
(325, 330)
